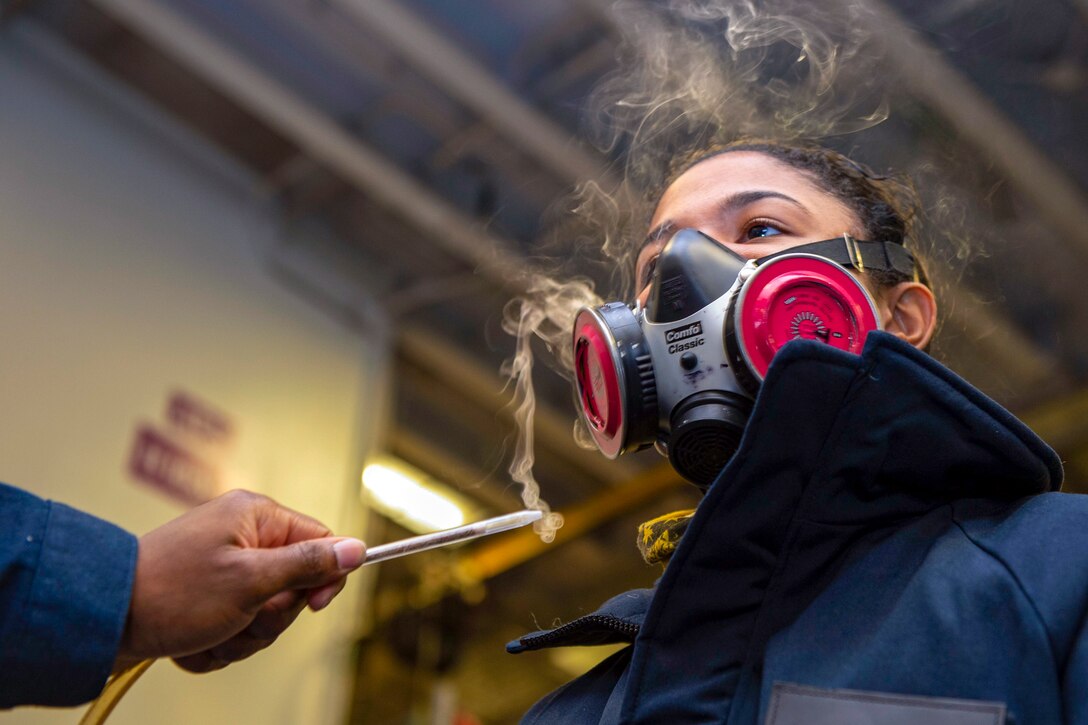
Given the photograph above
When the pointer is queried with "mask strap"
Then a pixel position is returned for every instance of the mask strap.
(857, 253)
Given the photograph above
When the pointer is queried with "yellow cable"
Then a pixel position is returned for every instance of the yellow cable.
(112, 693)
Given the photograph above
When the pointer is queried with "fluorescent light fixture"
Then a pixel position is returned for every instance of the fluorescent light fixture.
(410, 498)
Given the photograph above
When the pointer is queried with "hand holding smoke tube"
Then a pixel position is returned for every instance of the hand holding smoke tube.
(224, 580)
(684, 372)
(221, 582)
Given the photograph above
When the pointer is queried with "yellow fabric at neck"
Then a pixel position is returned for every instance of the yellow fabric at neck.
(659, 537)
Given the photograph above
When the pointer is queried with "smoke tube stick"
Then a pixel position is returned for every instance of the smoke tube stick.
(468, 532)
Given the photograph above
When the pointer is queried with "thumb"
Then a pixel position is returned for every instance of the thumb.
(308, 564)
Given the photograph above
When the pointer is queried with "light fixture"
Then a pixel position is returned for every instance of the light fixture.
(411, 498)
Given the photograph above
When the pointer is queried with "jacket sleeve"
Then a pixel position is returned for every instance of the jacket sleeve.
(65, 582)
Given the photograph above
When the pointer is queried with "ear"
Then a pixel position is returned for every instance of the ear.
(909, 311)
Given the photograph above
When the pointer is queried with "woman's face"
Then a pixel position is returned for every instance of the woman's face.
(750, 203)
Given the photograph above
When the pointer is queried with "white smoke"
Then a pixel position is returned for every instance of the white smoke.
(547, 313)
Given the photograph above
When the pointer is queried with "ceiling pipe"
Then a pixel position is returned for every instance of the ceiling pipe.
(476, 87)
(946, 90)
(447, 119)
(321, 137)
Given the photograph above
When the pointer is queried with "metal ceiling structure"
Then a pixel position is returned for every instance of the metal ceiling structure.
(425, 140)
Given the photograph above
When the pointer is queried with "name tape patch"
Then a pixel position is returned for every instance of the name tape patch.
(801, 705)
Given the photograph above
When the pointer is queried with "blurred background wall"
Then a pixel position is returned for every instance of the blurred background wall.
(136, 266)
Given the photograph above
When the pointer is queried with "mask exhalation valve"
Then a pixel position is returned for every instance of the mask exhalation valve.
(706, 431)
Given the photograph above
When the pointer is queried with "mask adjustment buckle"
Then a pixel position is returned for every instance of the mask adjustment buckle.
(854, 252)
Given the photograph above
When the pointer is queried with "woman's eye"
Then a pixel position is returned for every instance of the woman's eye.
(762, 230)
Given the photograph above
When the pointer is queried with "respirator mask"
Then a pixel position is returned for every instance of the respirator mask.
(683, 373)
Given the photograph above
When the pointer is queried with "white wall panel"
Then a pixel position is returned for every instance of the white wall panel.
(134, 263)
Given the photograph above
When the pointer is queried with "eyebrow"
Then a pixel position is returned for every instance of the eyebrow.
(743, 198)
(727, 206)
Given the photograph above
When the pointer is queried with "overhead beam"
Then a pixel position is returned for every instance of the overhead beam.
(418, 96)
(320, 136)
(476, 87)
(934, 81)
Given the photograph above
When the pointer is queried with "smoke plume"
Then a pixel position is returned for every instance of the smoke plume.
(546, 313)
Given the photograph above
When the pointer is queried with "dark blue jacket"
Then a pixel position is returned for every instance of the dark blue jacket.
(65, 583)
(884, 528)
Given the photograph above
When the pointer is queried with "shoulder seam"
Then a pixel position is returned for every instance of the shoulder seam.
(1016, 579)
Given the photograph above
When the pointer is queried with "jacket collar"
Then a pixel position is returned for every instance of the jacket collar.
(836, 440)
(889, 433)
